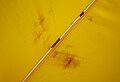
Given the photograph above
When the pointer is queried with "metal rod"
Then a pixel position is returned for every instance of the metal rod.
(50, 49)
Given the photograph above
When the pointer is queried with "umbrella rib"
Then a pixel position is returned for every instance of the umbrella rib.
(59, 39)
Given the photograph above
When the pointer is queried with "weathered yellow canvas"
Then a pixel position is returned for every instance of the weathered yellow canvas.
(89, 53)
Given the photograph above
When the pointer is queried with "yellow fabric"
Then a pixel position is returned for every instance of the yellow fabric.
(30, 27)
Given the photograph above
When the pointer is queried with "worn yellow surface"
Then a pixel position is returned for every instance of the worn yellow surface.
(90, 52)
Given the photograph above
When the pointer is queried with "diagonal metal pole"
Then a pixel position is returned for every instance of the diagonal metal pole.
(51, 48)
